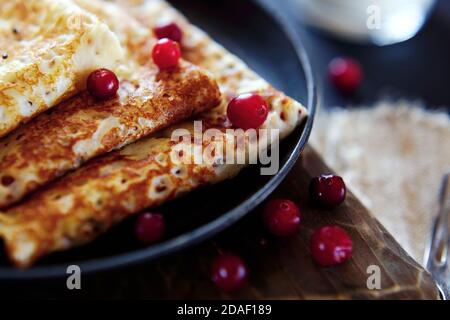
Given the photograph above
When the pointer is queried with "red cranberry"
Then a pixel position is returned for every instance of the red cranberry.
(327, 190)
(166, 54)
(150, 228)
(170, 31)
(248, 111)
(102, 84)
(346, 74)
(229, 272)
(331, 245)
(282, 217)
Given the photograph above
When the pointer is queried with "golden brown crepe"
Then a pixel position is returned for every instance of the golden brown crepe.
(82, 128)
(47, 49)
(83, 204)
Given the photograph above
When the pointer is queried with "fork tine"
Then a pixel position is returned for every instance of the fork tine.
(437, 254)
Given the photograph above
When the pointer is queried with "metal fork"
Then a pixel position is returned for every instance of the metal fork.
(437, 255)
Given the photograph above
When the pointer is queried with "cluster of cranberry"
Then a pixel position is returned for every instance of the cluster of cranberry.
(246, 111)
(330, 245)
(103, 84)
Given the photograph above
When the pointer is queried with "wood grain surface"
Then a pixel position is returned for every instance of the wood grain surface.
(279, 268)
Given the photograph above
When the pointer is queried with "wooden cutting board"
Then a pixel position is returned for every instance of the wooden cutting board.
(279, 268)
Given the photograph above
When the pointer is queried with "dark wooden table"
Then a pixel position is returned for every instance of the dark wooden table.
(279, 268)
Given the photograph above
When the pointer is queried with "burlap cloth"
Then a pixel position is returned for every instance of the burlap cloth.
(392, 156)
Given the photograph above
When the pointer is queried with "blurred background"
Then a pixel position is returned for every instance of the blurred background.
(415, 69)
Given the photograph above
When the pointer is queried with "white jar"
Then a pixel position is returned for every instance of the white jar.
(381, 22)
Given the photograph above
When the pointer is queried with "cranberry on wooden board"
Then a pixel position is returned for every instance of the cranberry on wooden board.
(170, 31)
(102, 84)
(229, 272)
(331, 245)
(346, 74)
(282, 217)
(166, 54)
(327, 191)
(247, 111)
(150, 228)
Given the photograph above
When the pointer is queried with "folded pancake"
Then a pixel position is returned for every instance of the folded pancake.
(137, 40)
(47, 49)
(83, 204)
(82, 128)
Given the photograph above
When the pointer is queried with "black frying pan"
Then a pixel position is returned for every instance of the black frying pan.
(271, 48)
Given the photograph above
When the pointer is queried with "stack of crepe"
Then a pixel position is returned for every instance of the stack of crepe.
(71, 167)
